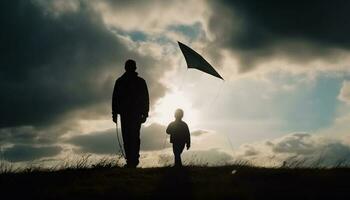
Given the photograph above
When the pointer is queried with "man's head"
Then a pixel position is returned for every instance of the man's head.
(130, 65)
(179, 113)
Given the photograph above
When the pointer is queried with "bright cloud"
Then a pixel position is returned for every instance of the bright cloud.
(344, 94)
(303, 148)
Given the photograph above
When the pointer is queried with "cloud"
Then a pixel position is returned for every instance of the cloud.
(344, 94)
(199, 132)
(209, 157)
(295, 147)
(298, 143)
(19, 153)
(300, 32)
(103, 142)
(30, 135)
(25, 134)
(144, 16)
(153, 138)
(53, 64)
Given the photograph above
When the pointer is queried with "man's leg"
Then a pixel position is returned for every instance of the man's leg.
(125, 126)
(135, 143)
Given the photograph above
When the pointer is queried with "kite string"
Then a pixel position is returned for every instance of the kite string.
(230, 143)
(215, 98)
(226, 134)
(184, 75)
(212, 107)
(220, 89)
(164, 143)
(119, 142)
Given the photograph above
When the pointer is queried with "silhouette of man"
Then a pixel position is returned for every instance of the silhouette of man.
(179, 136)
(131, 101)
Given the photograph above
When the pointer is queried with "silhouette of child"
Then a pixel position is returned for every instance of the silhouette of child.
(179, 136)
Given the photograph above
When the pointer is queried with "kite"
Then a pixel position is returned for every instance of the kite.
(196, 61)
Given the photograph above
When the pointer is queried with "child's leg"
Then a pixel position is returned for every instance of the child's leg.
(177, 149)
(176, 154)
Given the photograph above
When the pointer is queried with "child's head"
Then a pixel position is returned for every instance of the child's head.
(179, 113)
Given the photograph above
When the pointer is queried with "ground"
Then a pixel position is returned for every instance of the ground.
(186, 183)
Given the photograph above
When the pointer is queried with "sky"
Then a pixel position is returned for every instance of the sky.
(286, 93)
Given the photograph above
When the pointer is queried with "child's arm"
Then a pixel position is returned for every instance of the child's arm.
(168, 129)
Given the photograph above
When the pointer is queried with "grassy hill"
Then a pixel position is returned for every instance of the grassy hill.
(189, 183)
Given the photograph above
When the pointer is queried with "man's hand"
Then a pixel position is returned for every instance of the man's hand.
(115, 118)
(144, 118)
(188, 146)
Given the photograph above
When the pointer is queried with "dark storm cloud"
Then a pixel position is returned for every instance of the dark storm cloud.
(54, 64)
(258, 30)
(18, 135)
(30, 135)
(19, 153)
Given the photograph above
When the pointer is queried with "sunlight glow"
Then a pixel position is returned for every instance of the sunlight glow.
(165, 108)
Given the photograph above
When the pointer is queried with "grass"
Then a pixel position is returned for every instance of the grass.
(106, 179)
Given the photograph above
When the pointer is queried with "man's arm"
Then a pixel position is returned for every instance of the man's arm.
(115, 103)
(188, 139)
(145, 97)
